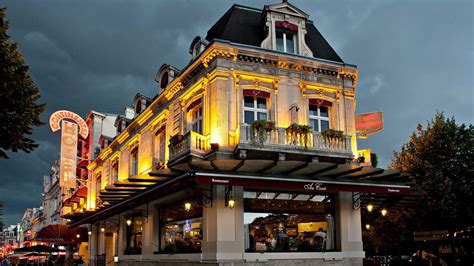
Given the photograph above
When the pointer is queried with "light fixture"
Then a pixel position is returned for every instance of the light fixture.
(231, 202)
(102, 229)
(187, 206)
(78, 236)
(89, 232)
(384, 212)
(367, 226)
(370, 207)
(116, 259)
(129, 222)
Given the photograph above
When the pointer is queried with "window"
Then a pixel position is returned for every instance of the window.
(319, 117)
(115, 171)
(255, 108)
(283, 222)
(160, 145)
(134, 236)
(196, 119)
(134, 162)
(181, 231)
(285, 41)
(98, 187)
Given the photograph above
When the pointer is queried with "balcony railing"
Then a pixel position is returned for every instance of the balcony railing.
(282, 138)
(191, 143)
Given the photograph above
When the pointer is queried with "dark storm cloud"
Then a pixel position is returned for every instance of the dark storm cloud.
(413, 56)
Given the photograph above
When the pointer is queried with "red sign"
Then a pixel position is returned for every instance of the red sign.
(369, 123)
(68, 160)
(57, 116)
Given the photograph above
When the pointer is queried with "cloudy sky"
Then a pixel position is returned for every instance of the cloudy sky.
(414, 57)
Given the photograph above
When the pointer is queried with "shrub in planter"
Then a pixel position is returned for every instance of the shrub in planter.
(332, 134)
(259, 129)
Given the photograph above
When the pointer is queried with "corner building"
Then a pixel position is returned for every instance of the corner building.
(245, 156)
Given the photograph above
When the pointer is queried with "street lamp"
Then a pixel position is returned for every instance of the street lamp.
(187, 206)
(370, 207)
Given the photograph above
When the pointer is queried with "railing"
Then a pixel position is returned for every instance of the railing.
(192, 142)
(280, 136)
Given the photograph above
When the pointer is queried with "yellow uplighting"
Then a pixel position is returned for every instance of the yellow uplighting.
(123, 137)
(370, 207)
(144, 116)
(384, 212)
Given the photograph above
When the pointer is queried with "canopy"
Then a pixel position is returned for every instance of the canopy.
(38, 248)
(61, 234)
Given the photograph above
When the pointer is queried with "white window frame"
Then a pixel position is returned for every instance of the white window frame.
(255, 108)
(284, 41)
(196, 121)
(115, 171)
(319, 118)
(133, 165)
(160, 146)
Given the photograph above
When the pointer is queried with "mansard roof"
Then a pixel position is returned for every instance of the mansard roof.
(244, 25)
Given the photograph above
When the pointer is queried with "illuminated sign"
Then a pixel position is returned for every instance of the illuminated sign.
(369, 123)
(68, 160)
(57, 116)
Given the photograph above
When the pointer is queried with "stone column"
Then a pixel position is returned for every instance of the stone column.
(148, 232)
(93, 248)
(348, 226)
(223, 227)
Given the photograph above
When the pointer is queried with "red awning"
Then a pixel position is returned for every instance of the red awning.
(76, 197)
(320, 102)
(61, 234)
(256, 93)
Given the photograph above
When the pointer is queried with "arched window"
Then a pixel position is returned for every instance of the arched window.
(164, 80)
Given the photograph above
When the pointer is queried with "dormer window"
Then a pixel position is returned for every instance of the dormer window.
(285, 40)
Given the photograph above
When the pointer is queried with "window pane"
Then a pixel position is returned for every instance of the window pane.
(324, 125)
(323, 111)
(248, 101)
(249, 117)
(290, 47)
(279, 40)
(314, 124)
(262, 116)
(261, 103)
(313, 110)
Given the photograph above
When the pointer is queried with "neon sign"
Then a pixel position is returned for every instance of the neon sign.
(57, 116)
(369, 123)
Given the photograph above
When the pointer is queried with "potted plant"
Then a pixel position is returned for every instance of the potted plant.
(332, 134)
(259, 129)
(304, 132)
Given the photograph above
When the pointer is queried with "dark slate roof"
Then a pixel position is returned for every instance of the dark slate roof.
(244, 25)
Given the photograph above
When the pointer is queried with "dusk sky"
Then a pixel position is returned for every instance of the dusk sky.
(414, 57)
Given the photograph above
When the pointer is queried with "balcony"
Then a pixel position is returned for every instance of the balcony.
(293, 144)
(191, 143)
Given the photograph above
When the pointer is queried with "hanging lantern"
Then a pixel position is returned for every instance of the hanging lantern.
(231, 202)
(370, 207)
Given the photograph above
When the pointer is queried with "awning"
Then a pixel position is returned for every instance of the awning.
(37, 248)
(76, 197)
(61, 234)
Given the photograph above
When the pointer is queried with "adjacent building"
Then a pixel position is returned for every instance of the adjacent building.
(246, 155)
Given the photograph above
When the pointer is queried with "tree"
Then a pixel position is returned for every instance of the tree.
(440, 158)
(19, 110)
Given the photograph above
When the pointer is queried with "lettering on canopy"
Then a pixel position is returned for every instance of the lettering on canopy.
(57, 116)
(369, 123)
